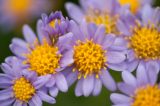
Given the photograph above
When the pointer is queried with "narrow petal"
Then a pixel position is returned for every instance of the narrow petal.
(100, 34)
(74, 11)
(72, 77)
(141, 74)
(46, 98)
(108, 41)
(126, 89)
(115, 57)
(97, 87)
(29, 35)
(53, 91)
(36, 100)
(87, 86)
(117, 98)
(129, 79)
(107, 80)
(78, 90)
(61, 82)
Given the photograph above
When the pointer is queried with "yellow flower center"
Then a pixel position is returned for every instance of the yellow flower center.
(19, 5)
(148, 96)
(44, 59)
(105, 19)
(23, 89)
(134, 4)
(89, 58)
(146, 43)
(53, 22)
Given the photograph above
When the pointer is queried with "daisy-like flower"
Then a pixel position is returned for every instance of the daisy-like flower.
(143, 37)
(90, 55)
(141, 90)
(55, 24)
(135, 5)
(20, 87)
(42, 55)
(13, 12)
(105, 12)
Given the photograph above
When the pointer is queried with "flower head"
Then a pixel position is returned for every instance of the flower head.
(21, 87)
(15, 12)
(90, 54)
(143, 37)
(55, 24)
(106, 12)
(42, 54)
(141, 90)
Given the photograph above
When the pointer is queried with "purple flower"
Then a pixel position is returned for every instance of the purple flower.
(15, 12)
(141, 90)
(44, 56)
(106, 12)
(143, 37)
(21, 87)
(90, 54)
(54, 25)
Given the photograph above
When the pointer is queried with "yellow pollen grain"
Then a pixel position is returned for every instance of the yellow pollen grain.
(23, 89)
(44, 59)
(53, 22)
(147, 96)
(89, 58)
(146, 43)
(134, 4)
(105, 19)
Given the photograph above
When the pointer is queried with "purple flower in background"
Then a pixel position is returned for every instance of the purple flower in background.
(54, 25)
(105, 12)
(42, 55)
(141, 90)
(143, 37)
(90, 55)
(21, 87)
(135, 5)
(15, 12)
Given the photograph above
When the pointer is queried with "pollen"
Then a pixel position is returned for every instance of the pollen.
(105, 19)
(134, 4)
(147, 96)
(23, 89)
(89, 58)
(53, 23)
(146, 43)
(44, 59)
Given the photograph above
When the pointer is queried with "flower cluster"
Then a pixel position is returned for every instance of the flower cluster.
(100, 37)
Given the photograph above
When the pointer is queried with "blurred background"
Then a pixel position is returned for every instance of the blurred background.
(11, 22)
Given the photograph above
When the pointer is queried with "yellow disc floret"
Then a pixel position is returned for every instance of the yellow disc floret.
(89, 58)
(53, 22)
(44, 59)
(23, 89)
(147, 96)
(134, 4)
(105, 19)
(146, 43)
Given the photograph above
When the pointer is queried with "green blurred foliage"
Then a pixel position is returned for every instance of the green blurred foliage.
(63, 99)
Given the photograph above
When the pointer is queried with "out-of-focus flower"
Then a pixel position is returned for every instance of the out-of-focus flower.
(90, 56)
(54, 25)
(21, 87)
(44, 56)
(143, 37)
(14, 12)
(140, 91)
(135, 5)
(105, 12)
